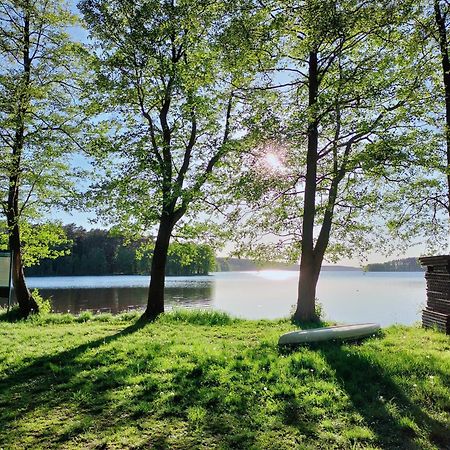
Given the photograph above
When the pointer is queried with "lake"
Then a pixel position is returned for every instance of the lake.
(346, 296)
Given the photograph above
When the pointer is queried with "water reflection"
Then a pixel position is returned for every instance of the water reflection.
(346, 297)
(121, 299)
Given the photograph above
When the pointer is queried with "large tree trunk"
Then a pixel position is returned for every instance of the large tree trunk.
(26, 302)
(309, 270)
(443, 44)
(155, 304)
(309, 275)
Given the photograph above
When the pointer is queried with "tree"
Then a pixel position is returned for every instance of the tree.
(441, 15)
(37, 118)
(418, 193)
(346, 95)
(126, 260)
(205, 260)
(190, 259)
(164, 74)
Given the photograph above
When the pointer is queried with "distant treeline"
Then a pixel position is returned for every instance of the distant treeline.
(241, 264)
(100, 252)
(399, 265)
(238, 264)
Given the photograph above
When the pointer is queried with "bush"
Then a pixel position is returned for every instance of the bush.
(319, 312)
(197, 317)
(45, 305)
(85, 316)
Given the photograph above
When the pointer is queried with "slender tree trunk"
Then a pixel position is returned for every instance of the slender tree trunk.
(309, 269)
(443, 44)
(24, 298)
(155, 304)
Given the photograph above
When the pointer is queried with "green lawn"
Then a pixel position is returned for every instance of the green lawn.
(197, 380)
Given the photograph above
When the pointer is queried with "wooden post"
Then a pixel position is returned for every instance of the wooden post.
(5, 276)
(437, 311)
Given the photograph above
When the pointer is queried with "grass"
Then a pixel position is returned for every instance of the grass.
(205, 380)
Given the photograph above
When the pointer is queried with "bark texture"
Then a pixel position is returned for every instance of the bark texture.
(155, 304)
(25, 300)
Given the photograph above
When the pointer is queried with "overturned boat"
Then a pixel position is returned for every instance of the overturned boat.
(339, 332)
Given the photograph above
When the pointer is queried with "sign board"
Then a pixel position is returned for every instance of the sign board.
(5, 274)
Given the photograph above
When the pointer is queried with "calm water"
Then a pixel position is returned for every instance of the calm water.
(350, 296)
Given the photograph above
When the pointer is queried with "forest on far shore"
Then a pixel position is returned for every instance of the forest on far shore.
(398, 265)
(102, 252)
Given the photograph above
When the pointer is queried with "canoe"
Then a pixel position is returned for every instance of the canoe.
(340, 332)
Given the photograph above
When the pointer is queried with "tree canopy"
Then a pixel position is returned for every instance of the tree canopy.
(168, 79)
(347, 103)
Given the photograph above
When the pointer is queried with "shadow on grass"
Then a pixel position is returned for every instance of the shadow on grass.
(385, 407)
(172, 396)
(36, 385)
(309, 325)
(11, 315)
(75, 391)
(67, 356)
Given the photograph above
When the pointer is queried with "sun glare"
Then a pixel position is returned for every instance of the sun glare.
(273, 161)
(272, 158)
(276, 275)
